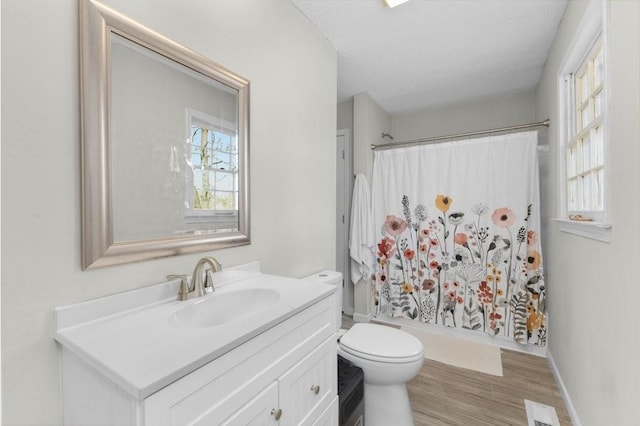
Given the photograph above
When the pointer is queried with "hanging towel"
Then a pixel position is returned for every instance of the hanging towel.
(361, 237)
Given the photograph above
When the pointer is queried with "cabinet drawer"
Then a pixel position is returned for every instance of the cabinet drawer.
(310, 386)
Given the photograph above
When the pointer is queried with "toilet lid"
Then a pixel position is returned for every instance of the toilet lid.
(378, 341)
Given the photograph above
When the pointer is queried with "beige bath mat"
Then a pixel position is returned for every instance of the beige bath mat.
(459, 352)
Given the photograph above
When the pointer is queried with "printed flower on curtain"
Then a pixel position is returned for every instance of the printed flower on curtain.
(533, 260)
(485, 296)
(460, 239)
(409, 254)
(456, 218)
(534, 319)
(443, 203)
(503, 217)
(428, 285)
(494, 319)
(394, 225)
(386, 249)
(479, 269)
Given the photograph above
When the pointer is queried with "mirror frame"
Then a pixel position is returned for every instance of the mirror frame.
(97, 22)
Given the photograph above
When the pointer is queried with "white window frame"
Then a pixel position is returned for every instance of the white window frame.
(221, 217)
(591, 29)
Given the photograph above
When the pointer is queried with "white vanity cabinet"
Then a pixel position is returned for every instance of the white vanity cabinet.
(280, 365)
(284, 374)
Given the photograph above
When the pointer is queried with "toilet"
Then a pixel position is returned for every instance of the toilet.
(389, 358)
(331, 278)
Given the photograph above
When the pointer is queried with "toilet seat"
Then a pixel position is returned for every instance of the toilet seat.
(381, 343)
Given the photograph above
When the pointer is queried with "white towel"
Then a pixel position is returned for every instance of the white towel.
(361, 238)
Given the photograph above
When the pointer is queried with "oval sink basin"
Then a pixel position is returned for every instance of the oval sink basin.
(221, 308)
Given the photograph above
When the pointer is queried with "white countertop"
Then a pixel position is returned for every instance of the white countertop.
(130, 339)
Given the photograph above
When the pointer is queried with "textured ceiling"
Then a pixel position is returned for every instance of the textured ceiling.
(426, 53)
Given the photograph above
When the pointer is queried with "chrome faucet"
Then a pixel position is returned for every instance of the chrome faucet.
(198, 287)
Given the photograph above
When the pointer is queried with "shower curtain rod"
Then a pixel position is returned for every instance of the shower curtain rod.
(544, 123)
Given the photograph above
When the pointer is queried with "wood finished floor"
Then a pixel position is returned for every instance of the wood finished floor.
(445, 395)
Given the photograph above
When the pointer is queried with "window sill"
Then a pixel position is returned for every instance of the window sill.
(595, 230)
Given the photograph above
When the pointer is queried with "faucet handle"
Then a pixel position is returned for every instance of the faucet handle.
(208, 282)
(183, 290)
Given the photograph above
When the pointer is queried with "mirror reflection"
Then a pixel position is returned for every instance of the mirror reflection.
(174, 147)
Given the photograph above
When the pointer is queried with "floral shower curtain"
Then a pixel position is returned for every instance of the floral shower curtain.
(457, 235)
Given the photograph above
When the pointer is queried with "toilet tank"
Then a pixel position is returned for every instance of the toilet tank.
(332, 278)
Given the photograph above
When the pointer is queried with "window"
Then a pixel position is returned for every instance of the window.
(585, 146)
(582, 128)
(213, 148)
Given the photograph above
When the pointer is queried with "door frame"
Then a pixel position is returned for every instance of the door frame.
(344, 191)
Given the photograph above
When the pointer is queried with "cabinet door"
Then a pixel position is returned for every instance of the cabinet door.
(258, 411)
(330, 416)
(310, 386)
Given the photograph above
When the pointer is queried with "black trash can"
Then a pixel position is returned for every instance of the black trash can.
(350, 393)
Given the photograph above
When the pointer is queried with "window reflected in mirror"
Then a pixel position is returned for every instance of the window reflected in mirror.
(213, 193)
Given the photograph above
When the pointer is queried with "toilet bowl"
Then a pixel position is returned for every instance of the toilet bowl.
(389, 358)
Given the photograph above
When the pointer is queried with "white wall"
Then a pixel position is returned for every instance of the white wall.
(369, 122)
(481, 114)
(593, 286)
(292, 70)
(345, 115)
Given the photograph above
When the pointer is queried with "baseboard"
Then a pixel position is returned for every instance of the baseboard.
(348, 310)
(357, 317)
(563, 390)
